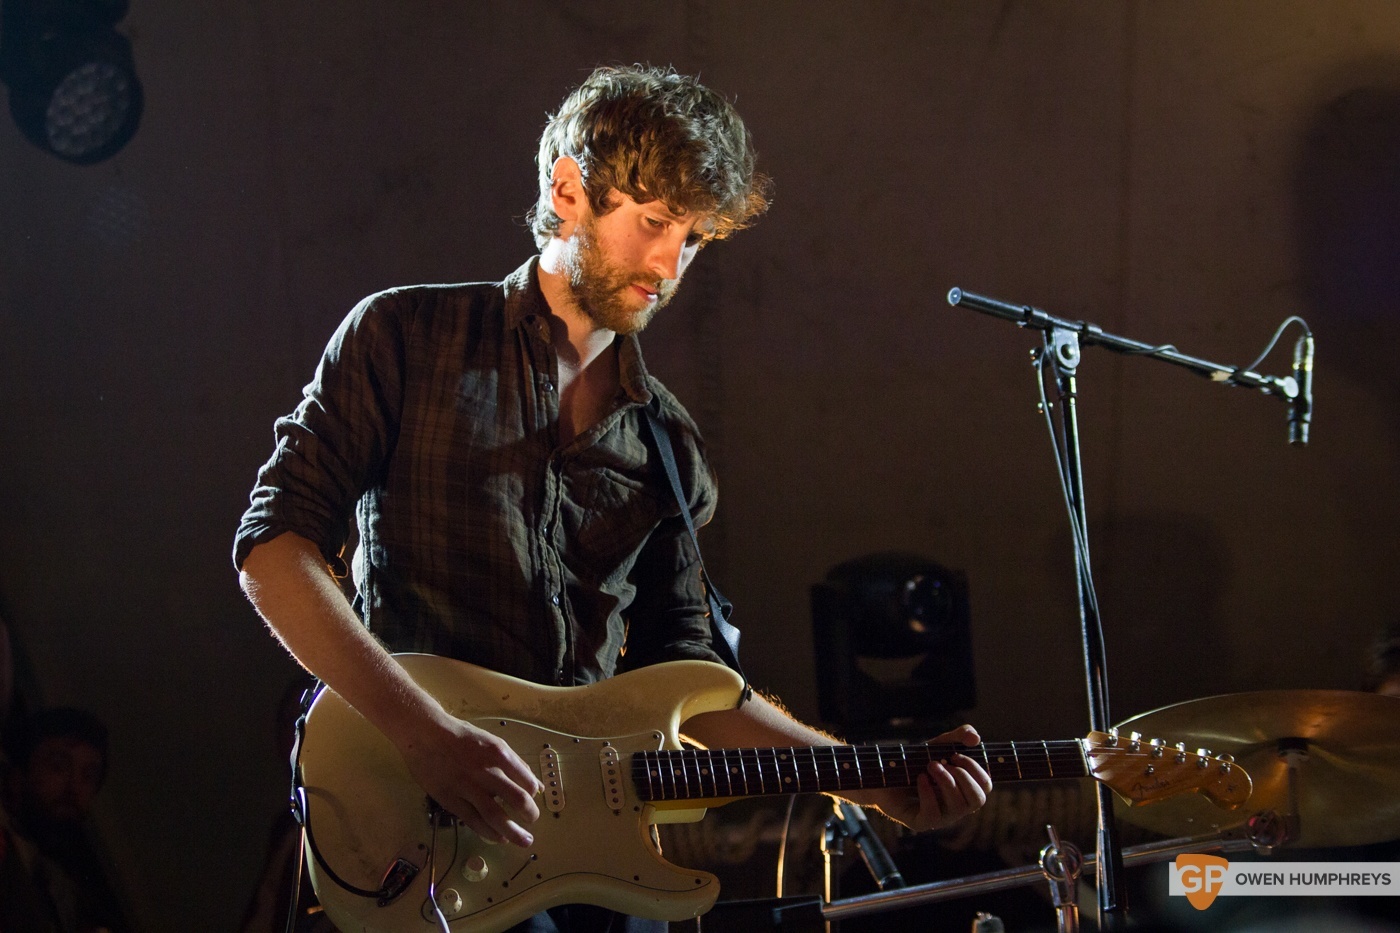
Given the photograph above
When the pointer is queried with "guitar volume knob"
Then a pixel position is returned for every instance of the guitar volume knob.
(449, 901)
(475, 869)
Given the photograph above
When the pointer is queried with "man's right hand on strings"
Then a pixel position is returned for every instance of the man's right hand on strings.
(476, 777)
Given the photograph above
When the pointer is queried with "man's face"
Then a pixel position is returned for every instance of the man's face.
(63, 776)
(624, 266)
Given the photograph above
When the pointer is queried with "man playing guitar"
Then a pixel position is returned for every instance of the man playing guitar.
(489, 440)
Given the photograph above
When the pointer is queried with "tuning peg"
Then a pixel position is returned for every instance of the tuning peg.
(1113, 736)
(1227, 761)
(1181, 753)
(1204, 754)
(1157, 747)
(1134, 741)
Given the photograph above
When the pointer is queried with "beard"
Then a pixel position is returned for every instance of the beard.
(603, 291)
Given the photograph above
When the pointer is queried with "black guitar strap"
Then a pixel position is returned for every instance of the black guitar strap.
(725, 635)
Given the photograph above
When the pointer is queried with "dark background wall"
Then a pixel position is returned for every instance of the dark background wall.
(1189, 172)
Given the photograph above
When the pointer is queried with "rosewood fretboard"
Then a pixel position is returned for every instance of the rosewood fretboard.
(700, 774)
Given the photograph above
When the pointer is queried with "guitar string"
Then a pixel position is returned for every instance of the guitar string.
(1039, 757)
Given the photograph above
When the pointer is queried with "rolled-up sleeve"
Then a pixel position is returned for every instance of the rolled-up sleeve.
(334, 446)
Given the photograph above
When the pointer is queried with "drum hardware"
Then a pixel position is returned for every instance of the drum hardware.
(1228, 842)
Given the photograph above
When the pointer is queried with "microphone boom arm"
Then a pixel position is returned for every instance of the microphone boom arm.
(1284, 388)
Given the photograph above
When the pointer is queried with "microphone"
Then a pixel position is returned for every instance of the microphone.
(872, 850)
(1300, 408)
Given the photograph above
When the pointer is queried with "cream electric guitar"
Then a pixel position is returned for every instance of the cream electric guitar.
(609, 757)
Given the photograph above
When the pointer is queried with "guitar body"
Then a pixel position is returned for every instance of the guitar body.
(593, 840)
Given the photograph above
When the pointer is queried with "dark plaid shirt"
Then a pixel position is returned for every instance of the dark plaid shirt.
(434, 416)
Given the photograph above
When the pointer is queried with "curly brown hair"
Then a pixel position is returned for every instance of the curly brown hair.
(652, 134)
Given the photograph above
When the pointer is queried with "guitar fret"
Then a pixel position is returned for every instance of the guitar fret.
(693, 756)
(1033, 766)
(753, 773)
(860, 757)
(986, 759)
(693, 782)
(801, 771)
(776, 769)
(836, 770)
(782, 769)
(686, 760)
(668, 778)
(922, 755)
(641, 776)
(709, 783)
(676, 761)
(739, 770)
(817, 783)
(892, 766)
(659, 768)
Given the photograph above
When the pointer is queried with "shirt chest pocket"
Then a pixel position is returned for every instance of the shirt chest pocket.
(607, 515)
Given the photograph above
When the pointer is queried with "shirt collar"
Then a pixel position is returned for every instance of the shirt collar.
(525, 300)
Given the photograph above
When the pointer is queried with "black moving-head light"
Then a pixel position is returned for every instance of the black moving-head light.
(73, 86)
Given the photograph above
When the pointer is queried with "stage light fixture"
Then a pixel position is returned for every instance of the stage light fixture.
(892, 607)
(73, 86)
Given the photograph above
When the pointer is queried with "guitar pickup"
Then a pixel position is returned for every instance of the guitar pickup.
(553, 783)
(612, 776)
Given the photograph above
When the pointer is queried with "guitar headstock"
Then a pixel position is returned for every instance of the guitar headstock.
(1143, 771)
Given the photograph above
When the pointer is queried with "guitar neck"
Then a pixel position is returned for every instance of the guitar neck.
(700, 774)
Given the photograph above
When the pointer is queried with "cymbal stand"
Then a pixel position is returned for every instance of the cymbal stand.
(1293, 752)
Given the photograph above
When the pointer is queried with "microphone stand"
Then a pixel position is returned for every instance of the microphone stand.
(848, 822)
(1062, 341)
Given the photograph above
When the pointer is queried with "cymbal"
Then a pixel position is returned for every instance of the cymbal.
(1344, 745)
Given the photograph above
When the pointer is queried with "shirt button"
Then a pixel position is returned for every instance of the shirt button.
(548, 386)
(554, 599)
